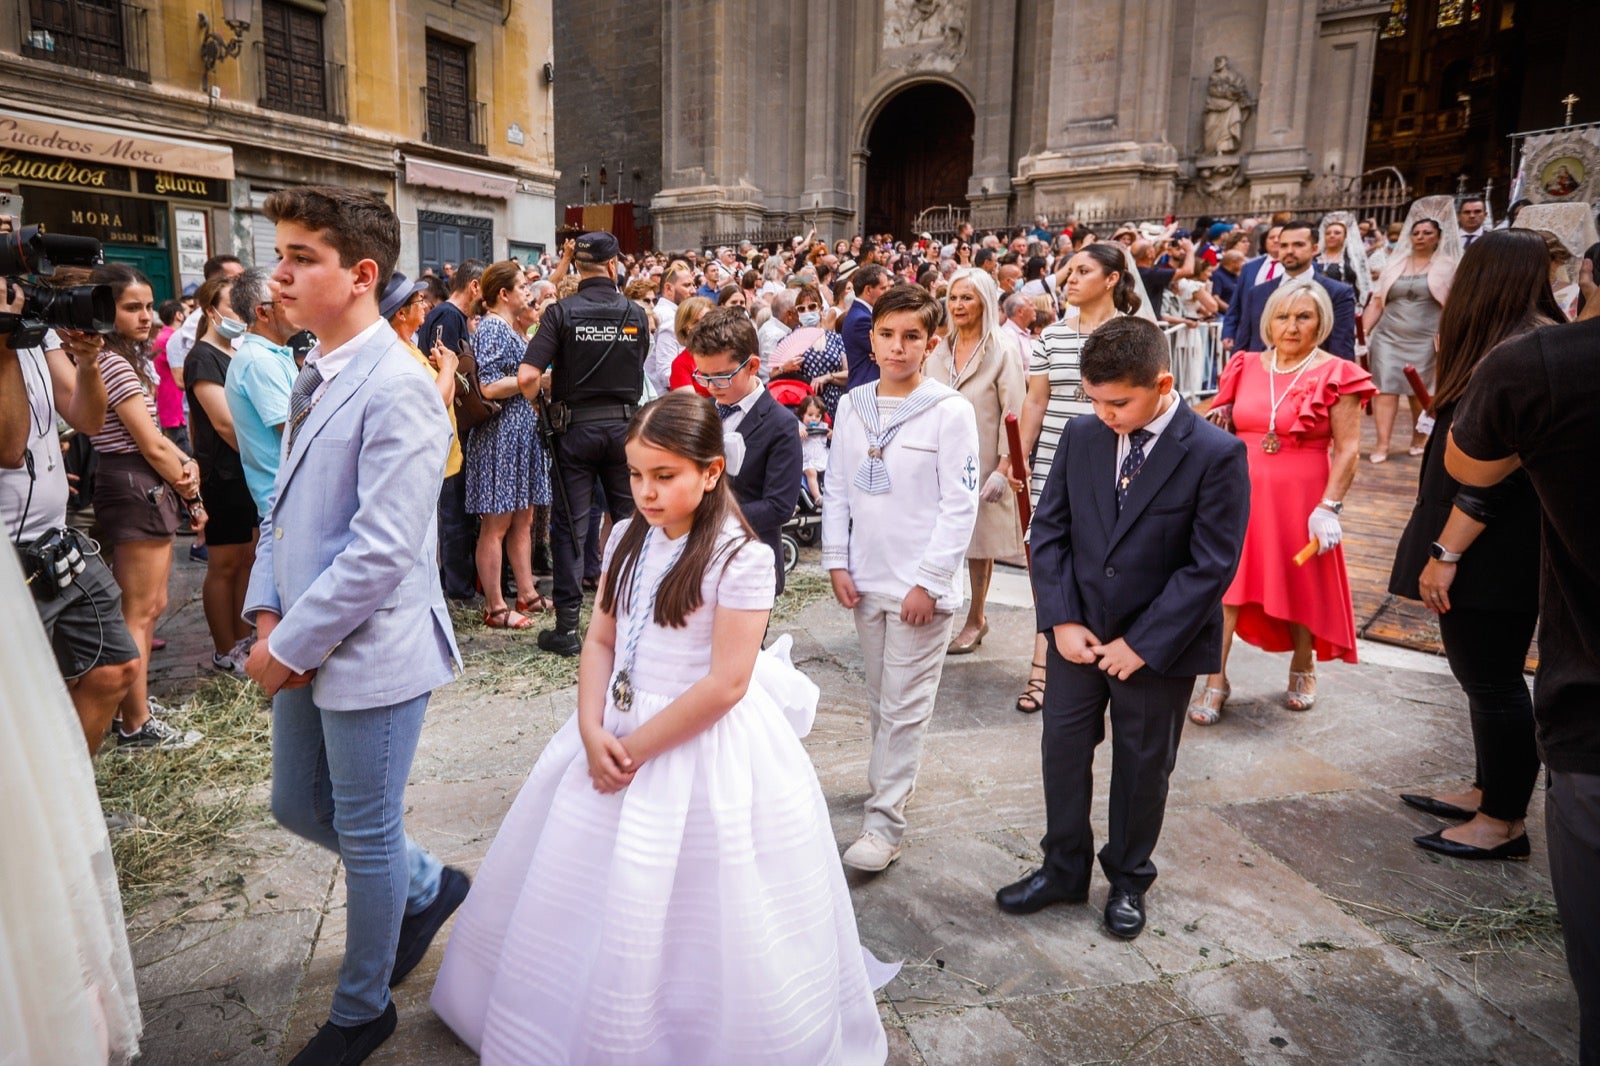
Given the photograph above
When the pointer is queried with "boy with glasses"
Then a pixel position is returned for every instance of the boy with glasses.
(767, 476)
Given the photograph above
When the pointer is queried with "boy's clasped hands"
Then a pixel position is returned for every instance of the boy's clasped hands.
(1078, 645)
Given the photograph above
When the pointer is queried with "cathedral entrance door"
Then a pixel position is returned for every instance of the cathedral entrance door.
(920, 156)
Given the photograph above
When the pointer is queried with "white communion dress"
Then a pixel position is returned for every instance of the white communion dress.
(698, 916)
(67, 992)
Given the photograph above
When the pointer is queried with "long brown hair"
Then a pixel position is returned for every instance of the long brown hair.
(135, 350)
(687, 426)
(1501, 289)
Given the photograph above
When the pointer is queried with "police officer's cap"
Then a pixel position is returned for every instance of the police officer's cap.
(596, 248)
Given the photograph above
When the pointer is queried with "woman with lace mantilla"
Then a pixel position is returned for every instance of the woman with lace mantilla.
(1298, 408)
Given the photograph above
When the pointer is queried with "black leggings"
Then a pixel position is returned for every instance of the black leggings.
(1487, 651)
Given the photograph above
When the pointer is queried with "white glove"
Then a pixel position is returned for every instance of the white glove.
(995, 488)
(1323, 525)
(1425, 424)
(733, 450)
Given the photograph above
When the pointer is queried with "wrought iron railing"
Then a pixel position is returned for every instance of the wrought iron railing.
(316, 90)
(450, 125)
(108, 36)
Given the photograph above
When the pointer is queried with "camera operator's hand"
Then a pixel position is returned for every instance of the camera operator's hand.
(84, 348)
(14, 299)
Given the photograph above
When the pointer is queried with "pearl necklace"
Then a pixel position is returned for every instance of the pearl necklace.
(1271, 442)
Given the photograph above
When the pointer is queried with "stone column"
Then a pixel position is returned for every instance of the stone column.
(994, 34)
(1107, 94)
(1347, 45)
(1279, 162)
(828, 191)
(706, 146)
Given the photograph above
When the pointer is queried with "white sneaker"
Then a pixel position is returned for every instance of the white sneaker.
(161, 710)
(229, 664)
(870, 852)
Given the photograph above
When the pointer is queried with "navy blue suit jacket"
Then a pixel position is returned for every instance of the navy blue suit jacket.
(856, 332)
(1253, 300)
(1247, 280)
(769, 481)
(1154, 573)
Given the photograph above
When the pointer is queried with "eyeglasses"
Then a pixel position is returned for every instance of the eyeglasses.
(719, 381)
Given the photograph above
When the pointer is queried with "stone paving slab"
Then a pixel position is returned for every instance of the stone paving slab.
(1285, 864)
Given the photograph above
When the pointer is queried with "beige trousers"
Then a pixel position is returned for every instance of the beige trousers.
(903, 664)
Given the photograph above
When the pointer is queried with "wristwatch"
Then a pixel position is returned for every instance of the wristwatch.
(1443, 554)
(1336, 506)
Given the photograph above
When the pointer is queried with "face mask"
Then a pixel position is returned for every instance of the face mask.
(810, 318)
(231, 329)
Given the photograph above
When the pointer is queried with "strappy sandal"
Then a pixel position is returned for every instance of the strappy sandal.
(501, 619)
(540, 602)
(1032, 699)
(1201, 712)
(1297, 698)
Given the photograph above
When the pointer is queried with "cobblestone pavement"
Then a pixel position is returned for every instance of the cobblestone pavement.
(1293, 920)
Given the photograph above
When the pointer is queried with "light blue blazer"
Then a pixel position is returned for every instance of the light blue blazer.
(349, 555)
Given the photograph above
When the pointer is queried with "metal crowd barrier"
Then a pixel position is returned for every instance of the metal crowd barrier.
(1197, 357)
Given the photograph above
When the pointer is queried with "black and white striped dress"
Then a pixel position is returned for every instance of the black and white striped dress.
(1056, 353)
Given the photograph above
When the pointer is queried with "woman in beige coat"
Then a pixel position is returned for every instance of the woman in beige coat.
(979, 361)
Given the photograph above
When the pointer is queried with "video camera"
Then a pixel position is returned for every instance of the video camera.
(30, 251)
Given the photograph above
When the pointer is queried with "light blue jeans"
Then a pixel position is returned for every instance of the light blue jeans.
(339, 780)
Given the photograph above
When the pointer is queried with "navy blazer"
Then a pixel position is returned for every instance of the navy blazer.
(1154, 573)
(1247, 280)
(769, 480)
(1252, 301)
(856, 332)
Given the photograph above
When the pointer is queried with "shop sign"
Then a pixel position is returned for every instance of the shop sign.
(113, 147)
(182, 186)
(24, 166)
(110, 219)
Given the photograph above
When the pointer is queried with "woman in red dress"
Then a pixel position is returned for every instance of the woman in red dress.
(1298, 408)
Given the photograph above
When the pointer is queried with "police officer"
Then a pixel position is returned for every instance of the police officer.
(594, 345)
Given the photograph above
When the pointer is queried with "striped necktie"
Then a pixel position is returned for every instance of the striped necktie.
(305, 386)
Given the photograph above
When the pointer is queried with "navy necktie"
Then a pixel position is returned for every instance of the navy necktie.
(726, 410)
(1130, 466)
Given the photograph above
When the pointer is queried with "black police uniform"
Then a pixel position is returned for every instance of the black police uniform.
(595, 343)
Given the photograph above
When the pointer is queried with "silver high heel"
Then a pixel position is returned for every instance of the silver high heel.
(1297, 698)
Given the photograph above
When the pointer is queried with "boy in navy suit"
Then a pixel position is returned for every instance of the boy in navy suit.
(1135, 539)
(767, 478)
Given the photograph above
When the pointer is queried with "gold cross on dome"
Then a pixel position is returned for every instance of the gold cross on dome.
(1571, 101)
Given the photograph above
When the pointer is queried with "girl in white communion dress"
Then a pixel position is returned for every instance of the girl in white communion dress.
(666, 888)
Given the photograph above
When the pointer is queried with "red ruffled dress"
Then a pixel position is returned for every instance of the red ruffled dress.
(1285, 487)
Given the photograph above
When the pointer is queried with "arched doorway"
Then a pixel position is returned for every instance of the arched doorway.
(919, 156)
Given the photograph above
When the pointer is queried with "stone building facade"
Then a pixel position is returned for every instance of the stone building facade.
(850, 112)
(111, 125)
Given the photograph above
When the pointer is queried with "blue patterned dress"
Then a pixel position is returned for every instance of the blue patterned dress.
(506, 465)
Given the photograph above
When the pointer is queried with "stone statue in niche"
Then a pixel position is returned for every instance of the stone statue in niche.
(1228, 105)
(932, 34)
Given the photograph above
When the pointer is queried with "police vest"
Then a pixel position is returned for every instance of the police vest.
(603, 349)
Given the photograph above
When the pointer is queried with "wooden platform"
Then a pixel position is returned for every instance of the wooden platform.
(1376, 511)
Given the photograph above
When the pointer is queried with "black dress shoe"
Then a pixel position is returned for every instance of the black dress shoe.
(1516, 848)
(1125, 913)
(418, 930)
(1437, 808)
(346, 1045)
(1035, 892)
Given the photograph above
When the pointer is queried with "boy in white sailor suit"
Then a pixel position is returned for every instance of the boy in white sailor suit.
(897, 517)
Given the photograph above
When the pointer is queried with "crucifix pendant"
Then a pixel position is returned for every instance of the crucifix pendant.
(1124, 483)
(1270, 443)
(622, 691)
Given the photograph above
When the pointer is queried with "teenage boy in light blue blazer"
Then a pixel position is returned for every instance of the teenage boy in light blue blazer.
(353, 635)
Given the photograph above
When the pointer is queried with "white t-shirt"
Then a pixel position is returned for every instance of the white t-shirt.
(48, 508)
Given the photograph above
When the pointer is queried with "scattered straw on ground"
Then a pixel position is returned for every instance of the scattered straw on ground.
(187, 802)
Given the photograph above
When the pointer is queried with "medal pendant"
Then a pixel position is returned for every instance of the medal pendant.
(622, 691)
(1270, 443)
(875, 453)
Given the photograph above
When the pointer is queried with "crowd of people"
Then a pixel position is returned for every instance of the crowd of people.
(349, 448)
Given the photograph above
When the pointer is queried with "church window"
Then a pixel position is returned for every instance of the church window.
(1451, 13)
(1395, 24)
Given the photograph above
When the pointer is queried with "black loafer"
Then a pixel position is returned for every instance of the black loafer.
(418, 930)
(1435, 807)
(1035, 892)
(1517, 848)
(346, 1045)
(1125, 913)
